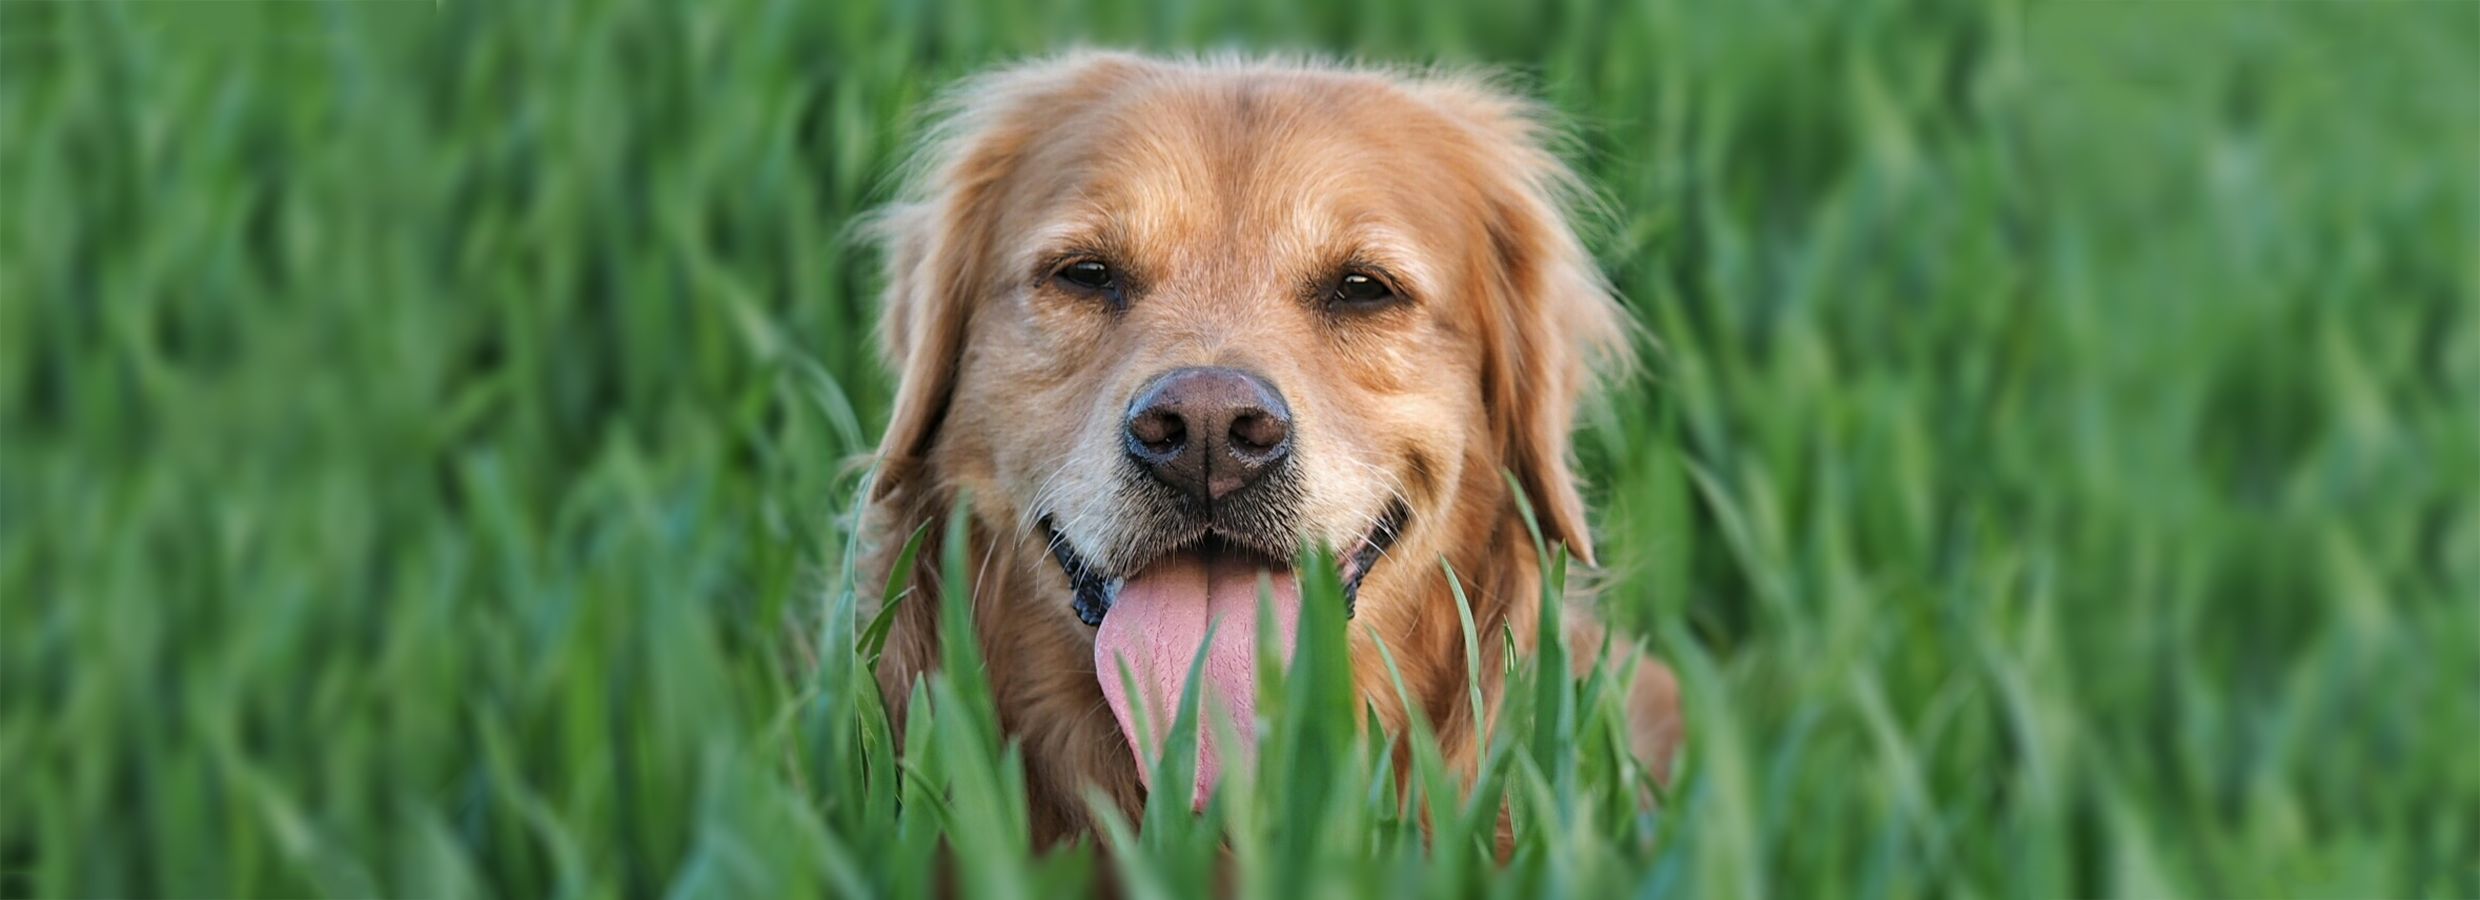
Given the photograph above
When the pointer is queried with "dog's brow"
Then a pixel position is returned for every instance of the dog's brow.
(1083, 232)
(1366, 240)
(1386, 248)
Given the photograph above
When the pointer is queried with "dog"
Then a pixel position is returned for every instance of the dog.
(1165, 323)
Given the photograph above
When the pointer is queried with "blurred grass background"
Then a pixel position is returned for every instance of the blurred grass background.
(425, 423)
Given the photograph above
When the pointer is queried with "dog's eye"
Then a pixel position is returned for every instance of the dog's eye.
(1362, 291)
(1090, 275)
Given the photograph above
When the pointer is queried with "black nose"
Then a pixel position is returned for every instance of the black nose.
(1208, 432)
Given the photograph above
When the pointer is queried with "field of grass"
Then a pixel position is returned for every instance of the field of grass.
(426, 427)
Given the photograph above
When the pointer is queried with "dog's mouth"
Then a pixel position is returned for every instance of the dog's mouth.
(1096, 590)
(1196, 607)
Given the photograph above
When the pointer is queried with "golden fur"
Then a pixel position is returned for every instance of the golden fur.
(1222, 187)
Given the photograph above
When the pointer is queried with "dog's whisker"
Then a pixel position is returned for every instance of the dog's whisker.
(1394, 493)
(981, 575)
(1043, 494)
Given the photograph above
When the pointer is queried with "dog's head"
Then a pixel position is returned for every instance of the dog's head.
(1174, 321)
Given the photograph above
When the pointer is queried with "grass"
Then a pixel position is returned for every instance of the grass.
(425, 423)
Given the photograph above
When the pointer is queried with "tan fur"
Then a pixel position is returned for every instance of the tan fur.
(1221, 189)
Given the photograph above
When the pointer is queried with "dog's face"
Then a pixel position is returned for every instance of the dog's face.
(1229, 315)
(1173, 323)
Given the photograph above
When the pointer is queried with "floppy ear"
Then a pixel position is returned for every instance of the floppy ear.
(1556, 326)
(920, 337)
(937, 243)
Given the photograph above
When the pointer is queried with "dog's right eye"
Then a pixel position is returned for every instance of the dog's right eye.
(1089, 275)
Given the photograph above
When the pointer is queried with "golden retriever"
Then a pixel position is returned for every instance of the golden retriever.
(1167, 322)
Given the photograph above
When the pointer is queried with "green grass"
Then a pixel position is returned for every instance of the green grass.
(426, 437)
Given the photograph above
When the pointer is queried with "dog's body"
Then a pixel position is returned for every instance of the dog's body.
(1165, 323)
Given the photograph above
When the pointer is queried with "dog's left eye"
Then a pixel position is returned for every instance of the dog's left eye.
(1361, 290)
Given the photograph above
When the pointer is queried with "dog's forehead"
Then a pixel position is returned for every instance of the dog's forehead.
(1292, 164)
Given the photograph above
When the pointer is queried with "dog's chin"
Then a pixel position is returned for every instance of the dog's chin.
(1096, 587)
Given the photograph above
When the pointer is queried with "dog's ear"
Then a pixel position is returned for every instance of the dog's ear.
(920, 335)
(938, 242)
(1554, 329)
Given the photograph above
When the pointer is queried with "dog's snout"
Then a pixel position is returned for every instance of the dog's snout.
(1208, 431)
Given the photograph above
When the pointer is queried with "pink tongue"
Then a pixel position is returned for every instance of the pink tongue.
(1156, 627)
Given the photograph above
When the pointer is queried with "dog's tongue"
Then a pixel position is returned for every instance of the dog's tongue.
(1157, 626)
